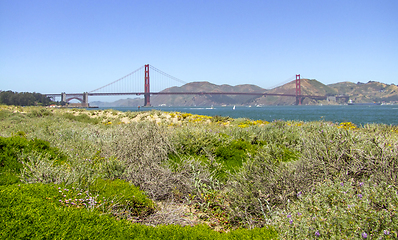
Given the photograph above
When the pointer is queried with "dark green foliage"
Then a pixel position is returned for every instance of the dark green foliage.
(233, 154)
(116, 197)
(12, 149)
(128, 199)
(229, 150)
(8, 177)
(81, 118)
(23, 99)
(32, 211)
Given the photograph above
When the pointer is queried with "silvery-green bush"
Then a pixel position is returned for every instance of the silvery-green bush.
(342, 210)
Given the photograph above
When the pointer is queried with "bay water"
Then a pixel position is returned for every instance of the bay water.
(357, 114)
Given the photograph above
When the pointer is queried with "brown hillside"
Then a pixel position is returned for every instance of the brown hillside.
(360, 92)
(367, 92)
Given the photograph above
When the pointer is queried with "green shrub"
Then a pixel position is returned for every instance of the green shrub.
(39, 112)
(195, 140)
(339, 153)
(142, 148)
(265, 165)
(220, 119)
(116, 197)
(13, 150)
(8, 177)
(268, 182)
(34, 211)
(342, 210)
(4, 114)
(124, 199)
(81, 118)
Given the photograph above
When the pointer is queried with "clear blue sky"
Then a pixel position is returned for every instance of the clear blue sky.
(50, 46)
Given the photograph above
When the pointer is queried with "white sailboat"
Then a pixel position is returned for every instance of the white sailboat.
(233, 108)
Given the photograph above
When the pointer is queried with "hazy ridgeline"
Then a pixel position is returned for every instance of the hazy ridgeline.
(303, 179)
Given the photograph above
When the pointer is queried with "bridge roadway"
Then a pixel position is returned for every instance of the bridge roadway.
(208, 93)
(83, 97)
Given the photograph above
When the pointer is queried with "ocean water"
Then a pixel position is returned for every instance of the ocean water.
(358, 114)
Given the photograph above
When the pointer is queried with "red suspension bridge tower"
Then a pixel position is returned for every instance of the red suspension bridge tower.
(298, 89)
(147, 101)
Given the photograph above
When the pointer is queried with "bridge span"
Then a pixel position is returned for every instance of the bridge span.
(127, 81)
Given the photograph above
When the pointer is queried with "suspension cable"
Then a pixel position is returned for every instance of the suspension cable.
(118, 79)
(284, 82)
(168, 75)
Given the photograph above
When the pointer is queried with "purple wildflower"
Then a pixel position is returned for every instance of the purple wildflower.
(342, 184)
(361, 184)
(386, 232)
(364, 235)
(299, 214)
(360, 195)
(289, 216)
(317, 233)
(291, 221)
(299, 194)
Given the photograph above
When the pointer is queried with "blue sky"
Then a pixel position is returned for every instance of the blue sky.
(77, 45)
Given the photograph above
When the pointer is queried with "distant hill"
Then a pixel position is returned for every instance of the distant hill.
(358, 92)
(368, 92)
(308, 87)
(206, 100)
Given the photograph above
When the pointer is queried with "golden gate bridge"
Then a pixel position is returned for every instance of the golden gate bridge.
(132, 84)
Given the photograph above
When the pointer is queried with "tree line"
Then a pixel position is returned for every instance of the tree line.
(24, 99)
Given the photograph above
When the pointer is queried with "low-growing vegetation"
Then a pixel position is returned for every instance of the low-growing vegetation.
(154, 174)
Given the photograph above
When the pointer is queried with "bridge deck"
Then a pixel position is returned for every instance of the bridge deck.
(208, 93)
